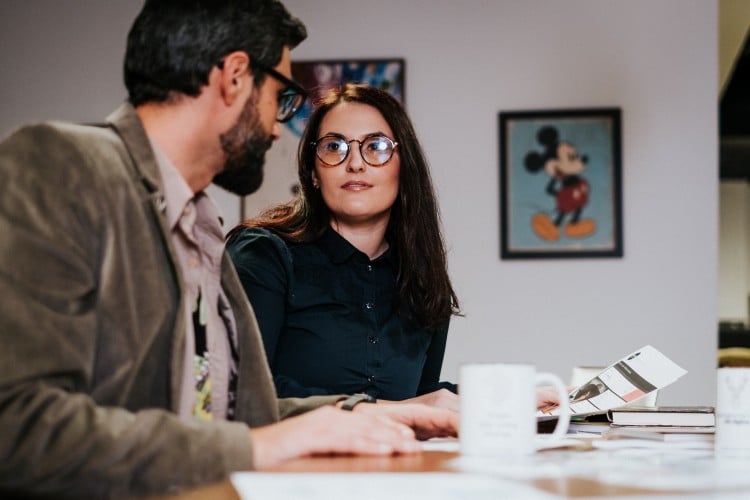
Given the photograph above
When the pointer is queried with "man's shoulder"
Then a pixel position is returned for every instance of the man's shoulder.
(45, 135)
(62, 130)
(46, 148)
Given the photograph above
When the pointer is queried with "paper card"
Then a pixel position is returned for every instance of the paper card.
(632, 377)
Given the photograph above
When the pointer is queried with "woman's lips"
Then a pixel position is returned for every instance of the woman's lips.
(356, 185)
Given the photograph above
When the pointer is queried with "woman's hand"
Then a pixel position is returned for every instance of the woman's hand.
(426, 422)
(442, 398)
(546, 398)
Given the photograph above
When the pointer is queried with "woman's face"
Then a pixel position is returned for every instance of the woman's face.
(354, 191)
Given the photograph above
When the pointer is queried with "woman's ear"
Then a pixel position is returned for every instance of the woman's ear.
(315, 180)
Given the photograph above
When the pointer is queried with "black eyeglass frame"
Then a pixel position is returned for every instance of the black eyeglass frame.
(348, 143)
(292, 88)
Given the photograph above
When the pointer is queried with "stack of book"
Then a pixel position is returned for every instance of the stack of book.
(650, 426)
(684, 424)
(701, 417)
(675, 426)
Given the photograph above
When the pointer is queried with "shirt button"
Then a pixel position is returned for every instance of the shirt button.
(369, 305)
(373, 340)
(369, 267)
(371, 378)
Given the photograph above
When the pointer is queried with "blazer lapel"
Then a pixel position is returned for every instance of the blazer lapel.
(256, 394)
(128, 126)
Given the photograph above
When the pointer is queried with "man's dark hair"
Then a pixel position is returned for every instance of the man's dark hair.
(173, 44)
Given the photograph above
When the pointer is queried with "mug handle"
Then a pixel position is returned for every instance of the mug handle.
(563, 419)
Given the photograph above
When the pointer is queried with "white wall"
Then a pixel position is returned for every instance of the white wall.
(465, 61)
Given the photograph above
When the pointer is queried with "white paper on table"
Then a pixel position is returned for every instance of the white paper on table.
(618, 444)
(674, 469)
(544, 443)
(691, 471)
(377, 486)
(541, 442)
(441, 444)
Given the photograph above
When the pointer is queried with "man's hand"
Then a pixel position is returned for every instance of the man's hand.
(331, 431)
(426, 421)
(442, 398)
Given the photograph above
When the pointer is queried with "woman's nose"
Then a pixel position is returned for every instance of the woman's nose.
(354, 162)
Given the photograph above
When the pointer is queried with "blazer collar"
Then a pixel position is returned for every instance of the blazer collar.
(128, 126)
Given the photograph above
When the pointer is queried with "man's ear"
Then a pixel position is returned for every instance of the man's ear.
(236, 78)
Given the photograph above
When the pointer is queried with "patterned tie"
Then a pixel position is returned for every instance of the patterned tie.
(201, 368)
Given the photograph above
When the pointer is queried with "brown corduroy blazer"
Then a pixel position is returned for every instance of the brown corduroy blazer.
(91, 329)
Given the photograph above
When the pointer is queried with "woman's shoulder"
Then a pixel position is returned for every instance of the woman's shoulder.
(252, 234)
(256, 240)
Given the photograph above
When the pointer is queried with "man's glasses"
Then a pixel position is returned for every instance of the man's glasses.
(290, 99)
(375, 149)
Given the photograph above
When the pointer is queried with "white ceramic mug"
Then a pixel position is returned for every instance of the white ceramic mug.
(733, 410)
(498, 405)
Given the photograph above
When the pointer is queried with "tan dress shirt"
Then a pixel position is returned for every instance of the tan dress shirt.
(198, 239)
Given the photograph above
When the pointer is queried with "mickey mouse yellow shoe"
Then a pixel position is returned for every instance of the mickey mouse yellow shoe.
(580, 229)
(544, 227)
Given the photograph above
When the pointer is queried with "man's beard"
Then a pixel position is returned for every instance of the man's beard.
(244, 146)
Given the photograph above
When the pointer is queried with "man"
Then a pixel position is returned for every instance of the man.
(131, 359)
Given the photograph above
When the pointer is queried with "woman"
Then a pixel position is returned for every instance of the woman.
(349, 280)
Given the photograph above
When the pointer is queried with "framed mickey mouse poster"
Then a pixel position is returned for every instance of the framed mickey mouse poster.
(560, 184)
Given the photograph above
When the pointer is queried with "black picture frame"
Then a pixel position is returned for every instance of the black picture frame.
(316, 76)
(560, 183)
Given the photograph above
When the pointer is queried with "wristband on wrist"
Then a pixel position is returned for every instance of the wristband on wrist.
(353, 400)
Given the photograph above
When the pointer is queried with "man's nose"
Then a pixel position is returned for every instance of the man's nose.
(276, 131)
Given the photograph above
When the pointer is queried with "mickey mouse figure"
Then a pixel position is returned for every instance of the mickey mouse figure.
(564, 165)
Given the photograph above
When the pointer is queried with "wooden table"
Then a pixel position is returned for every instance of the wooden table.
(428, 461)
(438, 461)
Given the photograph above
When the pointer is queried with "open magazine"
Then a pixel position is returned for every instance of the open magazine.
(631, 378)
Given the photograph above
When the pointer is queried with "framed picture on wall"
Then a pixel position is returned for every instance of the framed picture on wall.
(560, 184)
(317, 76)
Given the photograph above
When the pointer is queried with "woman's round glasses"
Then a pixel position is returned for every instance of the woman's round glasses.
(374, 149)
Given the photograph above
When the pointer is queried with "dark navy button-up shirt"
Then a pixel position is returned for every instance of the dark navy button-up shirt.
(328, 319)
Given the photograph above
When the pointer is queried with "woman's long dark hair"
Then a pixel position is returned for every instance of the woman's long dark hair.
(424, 290)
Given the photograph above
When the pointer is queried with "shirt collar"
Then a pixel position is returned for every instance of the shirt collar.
(177, 192)
(339, 250)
